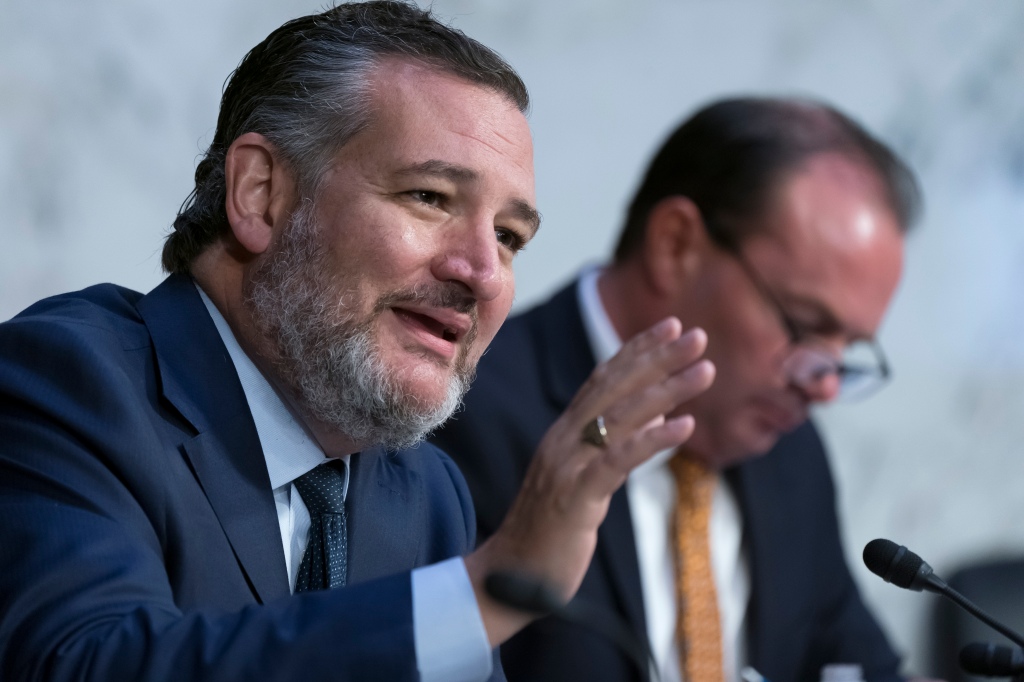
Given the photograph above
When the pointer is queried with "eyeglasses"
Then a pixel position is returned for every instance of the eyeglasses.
(861, 366)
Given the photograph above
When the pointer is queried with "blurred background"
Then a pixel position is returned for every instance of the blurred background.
(105, 106)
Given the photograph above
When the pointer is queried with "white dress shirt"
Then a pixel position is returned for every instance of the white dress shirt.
(451, 642)
(651, 491)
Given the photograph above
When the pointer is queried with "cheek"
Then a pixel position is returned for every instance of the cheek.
(372, 236)
(743, 335)
(376, 267)
(746, 353)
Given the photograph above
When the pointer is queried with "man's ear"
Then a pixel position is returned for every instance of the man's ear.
(260, 191)
(674, 244)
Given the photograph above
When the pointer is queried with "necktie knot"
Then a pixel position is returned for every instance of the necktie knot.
(695, 483)
(323, 488)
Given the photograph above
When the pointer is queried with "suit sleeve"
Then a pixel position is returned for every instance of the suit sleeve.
(450, 633)
(85, 592)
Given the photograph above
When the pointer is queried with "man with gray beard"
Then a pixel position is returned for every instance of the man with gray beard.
(333, 363)
(218, 480)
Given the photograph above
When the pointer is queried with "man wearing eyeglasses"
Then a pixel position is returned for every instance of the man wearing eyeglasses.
(778, 227)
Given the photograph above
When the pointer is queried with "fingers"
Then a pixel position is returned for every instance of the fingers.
(609, 469)
(660, 398)
(635, 391)
(650, 378)
(657, 334)
(636, 429)
(551, 528)
(650, 358)
(666, 350)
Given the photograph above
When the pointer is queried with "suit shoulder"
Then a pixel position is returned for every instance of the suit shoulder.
(805, 441)
(100, 314)
(524, 335)
(82, 349)
(516, 337)
(513, 368)
(797, 463)
(507, 375)
(792, 480)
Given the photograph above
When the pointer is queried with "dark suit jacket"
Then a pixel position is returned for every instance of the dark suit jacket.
(804, 610)
(138, 533)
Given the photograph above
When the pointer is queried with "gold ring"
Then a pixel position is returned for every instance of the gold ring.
(595, 433)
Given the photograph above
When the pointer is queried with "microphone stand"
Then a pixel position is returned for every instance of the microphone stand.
(969, 606)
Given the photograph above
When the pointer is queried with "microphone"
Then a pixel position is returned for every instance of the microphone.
(898, 565)
(528, 594)
(522, 593)
(992, 660)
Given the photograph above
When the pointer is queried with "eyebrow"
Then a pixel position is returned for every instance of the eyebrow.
(521, 209)
(446, 170)
(528, 214)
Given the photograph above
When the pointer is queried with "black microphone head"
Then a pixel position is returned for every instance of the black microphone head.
(878, 554)
(991, 660)
(522, 592)
(898, 565)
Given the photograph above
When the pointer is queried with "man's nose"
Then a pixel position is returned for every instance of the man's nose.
(472, 256)
(822, 389)
(815, 374)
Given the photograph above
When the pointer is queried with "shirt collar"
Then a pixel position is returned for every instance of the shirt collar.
(288, 448)
(604, 340)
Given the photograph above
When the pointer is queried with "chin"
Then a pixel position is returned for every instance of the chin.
(744, 444)
(425, 390)
(427, 384)
(760, 442)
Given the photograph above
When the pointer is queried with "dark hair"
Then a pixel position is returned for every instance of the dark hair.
(728, 157)
(307, 87)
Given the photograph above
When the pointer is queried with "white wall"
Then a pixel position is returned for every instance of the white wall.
(105, 105)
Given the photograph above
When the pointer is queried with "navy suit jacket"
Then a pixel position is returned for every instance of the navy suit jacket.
(138, 533)
(804, 610)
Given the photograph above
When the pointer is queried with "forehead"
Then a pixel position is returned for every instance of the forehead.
(832, 240)
(420, 114)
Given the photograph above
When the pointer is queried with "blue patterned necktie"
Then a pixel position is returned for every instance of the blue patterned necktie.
(325, 561)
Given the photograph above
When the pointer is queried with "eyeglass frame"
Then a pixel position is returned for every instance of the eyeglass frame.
(796, 337)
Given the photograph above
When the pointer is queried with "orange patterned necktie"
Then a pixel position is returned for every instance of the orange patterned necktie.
(697, 625)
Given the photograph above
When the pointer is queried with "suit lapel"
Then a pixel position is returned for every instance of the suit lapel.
(567, 359)
(198, 378)
(757, 536)
(385, 498)
(567, 363)
(616, 549)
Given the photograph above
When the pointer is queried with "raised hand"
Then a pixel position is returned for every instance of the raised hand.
(550, 532)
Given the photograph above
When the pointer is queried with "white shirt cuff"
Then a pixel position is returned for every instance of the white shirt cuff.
(451, 642)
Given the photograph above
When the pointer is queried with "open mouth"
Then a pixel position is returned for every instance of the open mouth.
(429, 324)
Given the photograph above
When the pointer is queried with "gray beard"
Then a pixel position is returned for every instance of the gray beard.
(328, 358)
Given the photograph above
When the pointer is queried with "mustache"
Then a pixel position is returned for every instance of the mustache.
(440, 295)
(436, 295)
